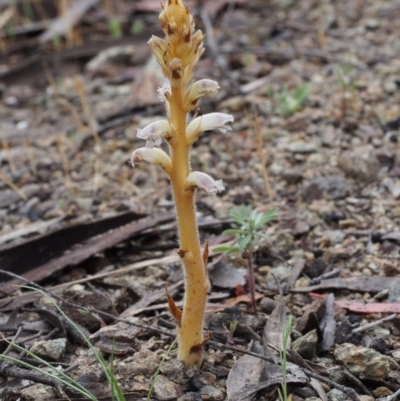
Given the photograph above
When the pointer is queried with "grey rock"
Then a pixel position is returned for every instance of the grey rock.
(335, 236)
(372, 23)
(336, 395)
(39, 392)
(190, 397)
(366, 398)
(381, 392)
(361, 164)
(337, 375)
(394, 292)
(142, 363)
(211, 393)
(306, 346)
(50, 349)
(329, 135)
(174, 370)
(329, 187)
(267, 305)
(292, 176)
(363, 362)
(302, 147)
(165, 389)
(207, 378)
(281, 272)
(8, 196)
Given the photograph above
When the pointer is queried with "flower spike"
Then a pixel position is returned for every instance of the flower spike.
(207, 122)
(177, 54)
(152, 155)
(153, 132)
(203, 181)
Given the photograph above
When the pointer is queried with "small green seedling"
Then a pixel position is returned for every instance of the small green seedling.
(115, 28)
(248, 233)
(230, 331)
(345, 77)
(291, 102)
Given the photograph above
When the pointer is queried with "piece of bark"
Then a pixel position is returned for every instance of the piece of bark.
(77, 255)
(328, 325)
(362, 284)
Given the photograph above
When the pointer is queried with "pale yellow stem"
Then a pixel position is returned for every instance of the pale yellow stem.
(196, 282)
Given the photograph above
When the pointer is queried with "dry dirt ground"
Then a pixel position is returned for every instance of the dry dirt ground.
(314, 89)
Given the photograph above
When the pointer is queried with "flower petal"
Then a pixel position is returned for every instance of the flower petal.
(203, 181)
(153, 132)
(152, 155)
(207, 122)
(199, 89)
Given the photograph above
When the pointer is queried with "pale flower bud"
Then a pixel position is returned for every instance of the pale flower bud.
(152, 155)
(199, 89)
(153, 132)
(161, 51)
(164, 92)
(203, 181)
(207, 122)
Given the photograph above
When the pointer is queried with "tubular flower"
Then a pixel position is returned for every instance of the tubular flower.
(152, 155)
(198, 90)
(153, 132)
(207, 122)
(203, 181)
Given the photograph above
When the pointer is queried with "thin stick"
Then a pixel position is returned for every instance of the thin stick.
(375, 323)
(10, 345)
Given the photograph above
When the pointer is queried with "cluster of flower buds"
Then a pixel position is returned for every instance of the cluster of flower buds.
(177, 55)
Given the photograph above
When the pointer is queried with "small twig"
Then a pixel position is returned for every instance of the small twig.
(375, 323)
(347, 390)
(34, 336)
(218, 58)
(8, 369)
(355, 381)
(71, 368)
(10, 345)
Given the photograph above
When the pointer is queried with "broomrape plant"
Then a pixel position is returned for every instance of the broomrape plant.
(177, 55)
